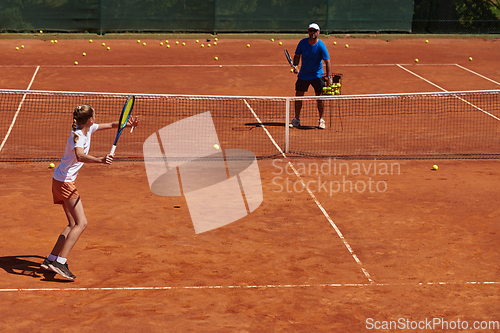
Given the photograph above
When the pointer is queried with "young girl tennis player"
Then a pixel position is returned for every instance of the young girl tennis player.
(63, 187)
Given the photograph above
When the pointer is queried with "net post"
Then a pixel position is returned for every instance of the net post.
(287, 126)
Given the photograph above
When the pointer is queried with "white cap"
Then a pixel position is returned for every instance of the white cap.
(314, 26)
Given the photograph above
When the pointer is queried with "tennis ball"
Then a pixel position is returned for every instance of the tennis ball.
(272, 39)
(202, 45)
(280, 43)
(346, 45)
(216, 146)
(248, 45)
(334, 43)
(209, 45)
(291, 70)
(91, 41)
(434, 167)
(426, 41)
(215, 43)
(22, 46)
(55, 41)
(216, 39)
(144, 44)
(197, 41)
(168, 46)
(108, 48)
(41, 31)
(161, 43)
(470, 58)
(52, 165)
(183, 44)
(103, 44)
(52, 41)
(177, 42)
(216, 58)
(17, 48)
(416, 60)
(76, 62)
(84, 54)
(166, 41)
(138, 41)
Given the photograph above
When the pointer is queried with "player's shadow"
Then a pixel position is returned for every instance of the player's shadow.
(28, 265)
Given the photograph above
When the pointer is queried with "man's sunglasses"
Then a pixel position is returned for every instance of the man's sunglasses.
(312, 30)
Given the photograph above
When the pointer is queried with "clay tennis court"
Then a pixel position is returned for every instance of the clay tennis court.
(369, 247)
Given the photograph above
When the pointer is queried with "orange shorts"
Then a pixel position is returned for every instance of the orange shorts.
(63, 190)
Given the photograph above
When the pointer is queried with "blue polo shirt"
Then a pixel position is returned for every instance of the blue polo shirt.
(312, 57)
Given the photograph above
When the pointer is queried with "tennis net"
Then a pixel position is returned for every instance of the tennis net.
(35, 125)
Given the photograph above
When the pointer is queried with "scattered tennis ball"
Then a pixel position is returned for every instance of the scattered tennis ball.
(55, 41)
(17, 47)
(272, 39)
(161, 43)
(216, 146)
(166, 41)
(144, 44)
(209, 45)
(280, 43)
(291, 70)
(52, 41)
(177, 42)
(22, 46)
(426, 41)
(108, 48)
(84, 54)
(91, 41)
(434, 167)
(183, 44)
(215, 43)
(41, 31)
(197, 41)
(168, 46)
(416, 60)
(76, 62)
(470, 58)
(346, 45)
(52, 165)
(334, 43)
(103, 44)
(202, 45)
(248, 45)
(216, 39)
(216, 58)
(138, 41)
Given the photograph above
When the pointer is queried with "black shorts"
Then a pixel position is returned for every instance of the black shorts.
(303, 85)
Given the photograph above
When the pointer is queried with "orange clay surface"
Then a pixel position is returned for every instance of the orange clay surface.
(403, 243)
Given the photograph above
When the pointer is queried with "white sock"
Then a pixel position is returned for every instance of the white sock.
(51, 257)
(61, 260)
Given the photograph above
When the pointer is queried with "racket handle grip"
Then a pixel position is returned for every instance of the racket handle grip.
(132, 129)
(112, 152)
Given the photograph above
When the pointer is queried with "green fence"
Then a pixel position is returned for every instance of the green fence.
(101, 16)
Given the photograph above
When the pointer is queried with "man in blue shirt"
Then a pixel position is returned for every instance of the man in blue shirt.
(312, 51)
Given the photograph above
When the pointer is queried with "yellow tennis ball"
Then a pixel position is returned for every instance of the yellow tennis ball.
(183, 44)
(280, 43)
(168, 46)
(202, 45)
(55, 41)
(248, 45)
(334, 43)
(52, 165)
(216, 146)
(416, 60)
(108, 48)
(52, 41)
(434, 167)
(138, 41)
(426, 41)
(22, 46)
(291, 70)
(177, 42)
(17, 48)
(216, 39)
(84, 54)
(470, 58)
(144, 44)
(197, 41)
(161, 43)
(215, 43)
(272, 39)
(91, 41)
(346, 45)
(209, 45)
(76, 62)
(216, 58)
(41, 31)
(166, 41)
(103, 44)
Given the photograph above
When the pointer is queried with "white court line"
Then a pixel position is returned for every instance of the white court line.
(463, 100)
(217, 65)
(323, 210)
(18, 110)
(263, 286)
(484, 77)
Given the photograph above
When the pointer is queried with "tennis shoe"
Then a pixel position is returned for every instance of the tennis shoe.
(322, 123)
(295, 122)
(62, 269)
(45, 264)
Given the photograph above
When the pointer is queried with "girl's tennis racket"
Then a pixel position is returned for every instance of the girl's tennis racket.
(124, 116)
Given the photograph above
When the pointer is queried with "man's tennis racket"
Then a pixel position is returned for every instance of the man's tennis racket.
(124, 116)
(290, 61)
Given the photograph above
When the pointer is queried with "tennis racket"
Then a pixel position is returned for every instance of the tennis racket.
(289, 58)
(124, 116)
